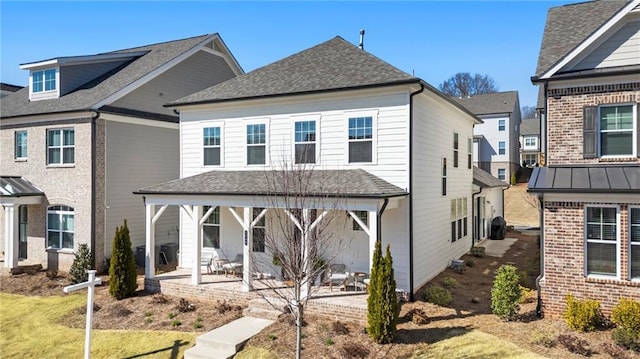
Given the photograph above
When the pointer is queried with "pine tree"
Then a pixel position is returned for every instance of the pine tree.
(122, 270)
(382, 303)
(82, 262)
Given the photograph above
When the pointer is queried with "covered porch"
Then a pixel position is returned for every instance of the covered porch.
(246, 198)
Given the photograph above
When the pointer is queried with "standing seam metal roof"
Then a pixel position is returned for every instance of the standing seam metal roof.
(586, 179)
(15, 186)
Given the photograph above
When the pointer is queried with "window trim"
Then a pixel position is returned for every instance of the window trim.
(220, 126)
(44, 80)
(61, 147)
(469, 153)
(503, 149)
(26, 145)
(374, 137)
(308, 118)
(443, 174)
(533, 146)
(502, 125)
(505, 174)
(355, 226)
(219, 225)
(249, 122)
(459, 218)
(258, 225)
(456, 148)
(629, 209)
(634, 130)
(60, 210)
(586, 241)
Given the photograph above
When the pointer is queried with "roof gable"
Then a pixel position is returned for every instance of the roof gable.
(570, 29)
(333, 65)
(491, 103)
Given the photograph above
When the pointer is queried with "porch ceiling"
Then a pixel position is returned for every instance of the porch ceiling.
(353, 183)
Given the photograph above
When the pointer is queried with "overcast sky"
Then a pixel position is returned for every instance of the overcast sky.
(431, 39)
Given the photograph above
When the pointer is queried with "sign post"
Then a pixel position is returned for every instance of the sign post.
(90, 283)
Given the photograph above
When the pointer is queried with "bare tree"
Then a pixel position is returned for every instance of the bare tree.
(463, 84)
(528, 112)
(303, 233)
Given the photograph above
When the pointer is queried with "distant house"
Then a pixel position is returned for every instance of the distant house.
(85, 133)
(488, 202)
(393, 145)
(590, 191)
(530, 142)
(7, 89)
(495, 142)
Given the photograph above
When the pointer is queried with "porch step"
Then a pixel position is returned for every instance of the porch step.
(225, 341)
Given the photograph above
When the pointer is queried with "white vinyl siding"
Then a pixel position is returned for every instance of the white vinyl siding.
(620, 49)
(601, 241)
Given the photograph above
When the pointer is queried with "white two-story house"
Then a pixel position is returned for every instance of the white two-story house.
(386, 150)
(530, 142)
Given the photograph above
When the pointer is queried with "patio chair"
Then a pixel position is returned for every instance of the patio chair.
(338, 274)
(234, 266)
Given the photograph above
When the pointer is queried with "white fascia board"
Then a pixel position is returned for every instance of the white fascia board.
(591, 39)
(80, 60)
(30, 120)
(139, 121)
(153, 74)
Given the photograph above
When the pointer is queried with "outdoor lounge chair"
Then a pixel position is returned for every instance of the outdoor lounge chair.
(338, 274)
(234, 266)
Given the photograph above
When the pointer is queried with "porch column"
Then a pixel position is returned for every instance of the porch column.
(373, 235)
(150, 244)
(247, 251)
(305, 287)
(11, 235)
(196, 274)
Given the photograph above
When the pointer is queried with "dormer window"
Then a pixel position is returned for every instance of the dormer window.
(44, 80)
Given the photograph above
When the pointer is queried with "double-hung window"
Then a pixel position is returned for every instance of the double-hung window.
(44, 80)
(502, 147)
(60, 146)
(616, 130)
(501, 125)
(530, 143)
(60, 226)
(211, 142)
(459, 218)
(634, 238)
(21, 145)
(211, 228)
(601, 241)
(502, 174)
(360, 139)
(469, 153)
(444, 176)
(455, 150)
(256, 144)
(259, 230)
(305, 142)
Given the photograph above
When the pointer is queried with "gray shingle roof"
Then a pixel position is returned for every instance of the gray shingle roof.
(88, 96)
(332, 65)
(9, 87)
(586, 179)
(484, 179)
(569, 25)
(16, 186)
(355, 183)
(491, 103)
(530, 126)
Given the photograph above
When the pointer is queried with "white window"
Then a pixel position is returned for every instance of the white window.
(60, 225)
(305, 142)
(363, 216)
(634, 239)
(259, 230)
(444, 176)
(502, 174)
(211, 228)
(530, 142)
(530, 159)
(601, 249)
(361, 139)
(459, 218)
(501, 125)
(455, 150)
(211, 143)
(44, 80)
(616, 130)
(60, 146)
(469, 153)
(21, 145)
(502, 148)
(256, 144)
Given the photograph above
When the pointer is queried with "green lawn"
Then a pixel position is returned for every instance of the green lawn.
(28, 329)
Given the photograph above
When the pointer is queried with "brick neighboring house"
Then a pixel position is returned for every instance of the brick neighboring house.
(84, 134)
(495, 142)
(589, 66)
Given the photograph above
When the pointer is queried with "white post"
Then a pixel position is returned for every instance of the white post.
(196, 274)
(150, 245)
(373, 236)
(11, 223)
(305, 285)
(247, 251)
(90, 284)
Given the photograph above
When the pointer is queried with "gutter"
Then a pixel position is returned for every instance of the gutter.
(94, 132)
(541, 275)
(422, 87)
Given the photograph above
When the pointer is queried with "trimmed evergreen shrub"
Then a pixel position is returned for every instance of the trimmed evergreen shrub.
(626, 315)
(506, 293)
(122, 269)
(82, 262)
(438, 295)
(582, 315)
(382, 304)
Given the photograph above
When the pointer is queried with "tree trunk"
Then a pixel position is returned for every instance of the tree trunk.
(299, 322)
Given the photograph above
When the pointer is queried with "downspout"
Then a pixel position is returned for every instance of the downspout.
(94, 132)
(541, 275)
(411, 189)
(379, 219)
(473, 204)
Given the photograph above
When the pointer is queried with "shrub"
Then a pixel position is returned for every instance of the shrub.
(224, 307)
(272, 337)
(354, 350)
(477, 251)
(626, 315)
(575, 344)
(122, 271)
(329, 341)
(542, 338)
(171, 315)
(417, 316)
(82, 262)
(176, 323)
(438, 295)
(506, 293)
(382, 303)
(449, 282)
(582, 315)
(613, 350)
(184, 306)
(626, 339)
(339, 328)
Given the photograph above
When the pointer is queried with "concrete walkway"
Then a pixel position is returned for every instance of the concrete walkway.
(497, 248)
